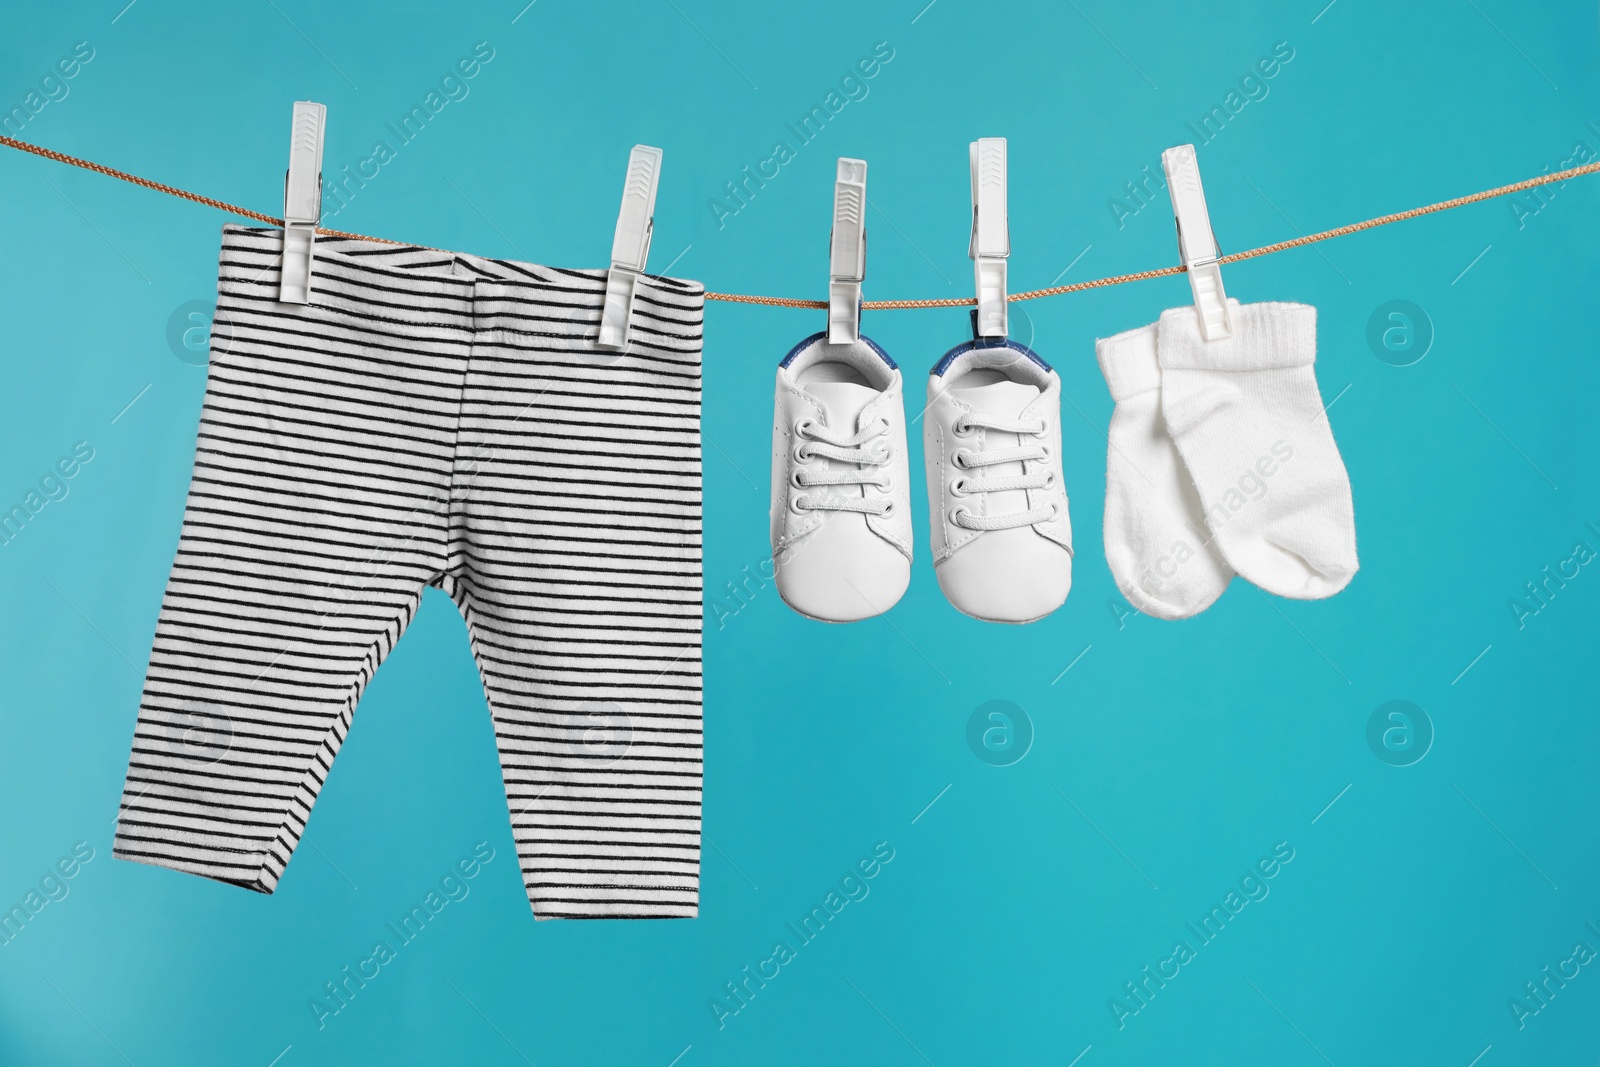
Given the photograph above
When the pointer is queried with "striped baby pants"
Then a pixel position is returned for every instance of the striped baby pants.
(434, 419)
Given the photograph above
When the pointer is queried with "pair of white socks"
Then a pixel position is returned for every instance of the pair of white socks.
(1222, 461)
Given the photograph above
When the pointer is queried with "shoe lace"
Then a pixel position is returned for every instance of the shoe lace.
(968, 459)
(858, 449)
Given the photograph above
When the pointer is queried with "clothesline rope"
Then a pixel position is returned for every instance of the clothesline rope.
(878, 305)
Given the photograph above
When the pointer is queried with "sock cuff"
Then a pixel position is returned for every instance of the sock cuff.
(1266, 336)
(1128, 362)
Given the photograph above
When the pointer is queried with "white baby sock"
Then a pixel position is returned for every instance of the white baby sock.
(1250, 425)
(1160, 552)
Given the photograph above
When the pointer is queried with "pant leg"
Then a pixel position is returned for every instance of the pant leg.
(578, 568)
(316, 516)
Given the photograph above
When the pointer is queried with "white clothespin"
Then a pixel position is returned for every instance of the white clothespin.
(847, 252)
(631, 247)
(991, 234)
(1197, 245)
(302, 202)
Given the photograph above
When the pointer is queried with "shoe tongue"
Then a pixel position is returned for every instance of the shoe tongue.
(842, 401)
(1004, 398)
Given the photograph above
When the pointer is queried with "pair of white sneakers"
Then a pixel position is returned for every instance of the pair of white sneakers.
(841, 493)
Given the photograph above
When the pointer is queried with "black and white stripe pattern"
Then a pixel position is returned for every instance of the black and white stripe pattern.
(446, 420)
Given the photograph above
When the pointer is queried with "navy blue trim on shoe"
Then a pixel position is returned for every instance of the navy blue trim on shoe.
(881, 353)
(797, 349)
(814, 338)
(967, 346)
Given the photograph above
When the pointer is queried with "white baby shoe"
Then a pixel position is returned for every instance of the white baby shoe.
(841, 504)
(1002, 541)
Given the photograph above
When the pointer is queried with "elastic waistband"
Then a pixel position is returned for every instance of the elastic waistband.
(455, 290)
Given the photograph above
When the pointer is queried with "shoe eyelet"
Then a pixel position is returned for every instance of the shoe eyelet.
(799, 505)
(1046, 450)
(794, 480)
(801, 455)
(962, 428)
(888, 510)
(802, 427)
(884, 484)
(956, 512)
(958, 487)
(1049, 479)
(960, 458)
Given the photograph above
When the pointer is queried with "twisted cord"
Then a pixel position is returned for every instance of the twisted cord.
(878, 305)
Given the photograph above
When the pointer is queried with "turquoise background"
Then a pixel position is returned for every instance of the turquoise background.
(1164, 763)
